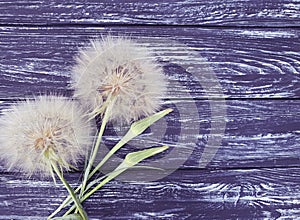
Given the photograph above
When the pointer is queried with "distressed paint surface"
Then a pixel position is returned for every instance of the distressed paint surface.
(259, 133)
(253, 49)
(251, 63)
(188, 12)
(186, 194)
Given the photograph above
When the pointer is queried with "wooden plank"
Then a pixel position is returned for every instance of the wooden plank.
(188, 12)
(250, 63)
(259, 133)
(193, 194)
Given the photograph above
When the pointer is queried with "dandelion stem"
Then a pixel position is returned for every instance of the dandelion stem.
(130, 161)
(70, 190)
(135, 129)
(97, 144)
(110, 153)
(87, 195)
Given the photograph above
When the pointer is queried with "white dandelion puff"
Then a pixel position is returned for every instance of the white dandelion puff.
(36, 133)
(118, 67)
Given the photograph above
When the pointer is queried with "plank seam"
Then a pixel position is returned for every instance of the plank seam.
(189, 99)
(82, 25)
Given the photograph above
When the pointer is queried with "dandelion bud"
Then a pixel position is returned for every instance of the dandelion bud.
(119, 68)
(37, 132)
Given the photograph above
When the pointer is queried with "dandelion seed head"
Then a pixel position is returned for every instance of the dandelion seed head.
(121, 68)
(47, 128)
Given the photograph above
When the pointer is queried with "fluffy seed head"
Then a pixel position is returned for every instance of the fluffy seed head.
(48, 128)
(120, 68)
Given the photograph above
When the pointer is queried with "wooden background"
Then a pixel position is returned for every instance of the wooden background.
(252, 47)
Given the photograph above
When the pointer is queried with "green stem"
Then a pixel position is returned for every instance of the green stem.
(85, 196)
(68, 199)
(135, 129)
(96, 147)
(130, 161)
(70, 190)
(121, 143)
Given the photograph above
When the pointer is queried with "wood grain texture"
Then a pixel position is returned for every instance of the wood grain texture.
(188, 12)
(250, 63)
(252, 47)
(259, 133)
(186, 194)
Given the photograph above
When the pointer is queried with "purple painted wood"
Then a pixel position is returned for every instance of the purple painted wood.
(259, 133)
(249, 63)
(186, 194)
(187, 12)
(252, 47)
